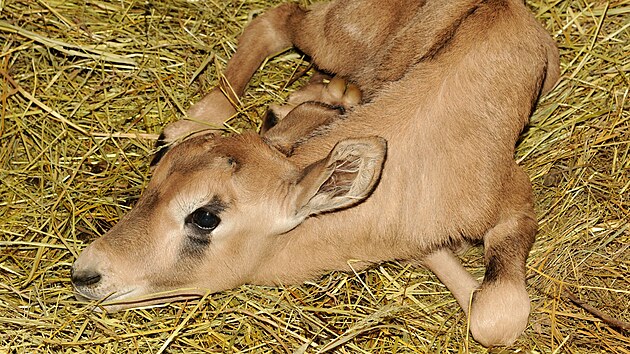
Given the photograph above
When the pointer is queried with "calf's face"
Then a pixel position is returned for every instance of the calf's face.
(209, 215)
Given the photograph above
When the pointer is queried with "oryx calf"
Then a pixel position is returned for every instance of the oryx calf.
(423, 164)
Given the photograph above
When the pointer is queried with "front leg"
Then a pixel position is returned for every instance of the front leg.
(501, 306)
(449, 269)
(498, 310)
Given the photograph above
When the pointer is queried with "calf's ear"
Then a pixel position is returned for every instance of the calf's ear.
(347, 176)
(161, 147)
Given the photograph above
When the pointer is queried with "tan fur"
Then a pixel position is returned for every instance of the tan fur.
(448, 86)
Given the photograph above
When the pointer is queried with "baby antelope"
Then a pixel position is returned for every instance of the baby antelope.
(420, 164)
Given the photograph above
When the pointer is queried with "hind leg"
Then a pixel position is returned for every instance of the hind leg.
(321, 88)
(277, 29)
(322, 32)
(500, 307)
(317, 104)
(266, 35)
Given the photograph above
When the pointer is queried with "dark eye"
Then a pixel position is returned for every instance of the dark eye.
(203, 219)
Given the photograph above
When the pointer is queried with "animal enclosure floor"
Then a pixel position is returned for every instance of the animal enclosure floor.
(86, 86)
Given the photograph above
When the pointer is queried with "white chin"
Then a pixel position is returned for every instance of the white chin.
(111, 302)
(136, 299)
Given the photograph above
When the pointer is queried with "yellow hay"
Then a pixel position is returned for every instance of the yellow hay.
(85, 86)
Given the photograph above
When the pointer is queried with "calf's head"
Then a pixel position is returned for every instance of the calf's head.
(211, 212)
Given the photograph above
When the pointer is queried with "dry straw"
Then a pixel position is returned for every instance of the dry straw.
(86, 85)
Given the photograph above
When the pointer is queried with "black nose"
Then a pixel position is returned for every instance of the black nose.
(85, 277)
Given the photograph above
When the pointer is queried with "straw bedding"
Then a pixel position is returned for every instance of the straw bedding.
(85, 86)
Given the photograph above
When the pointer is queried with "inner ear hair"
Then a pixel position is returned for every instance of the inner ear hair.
(352, 163)
(343, 173)
(345, 178)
